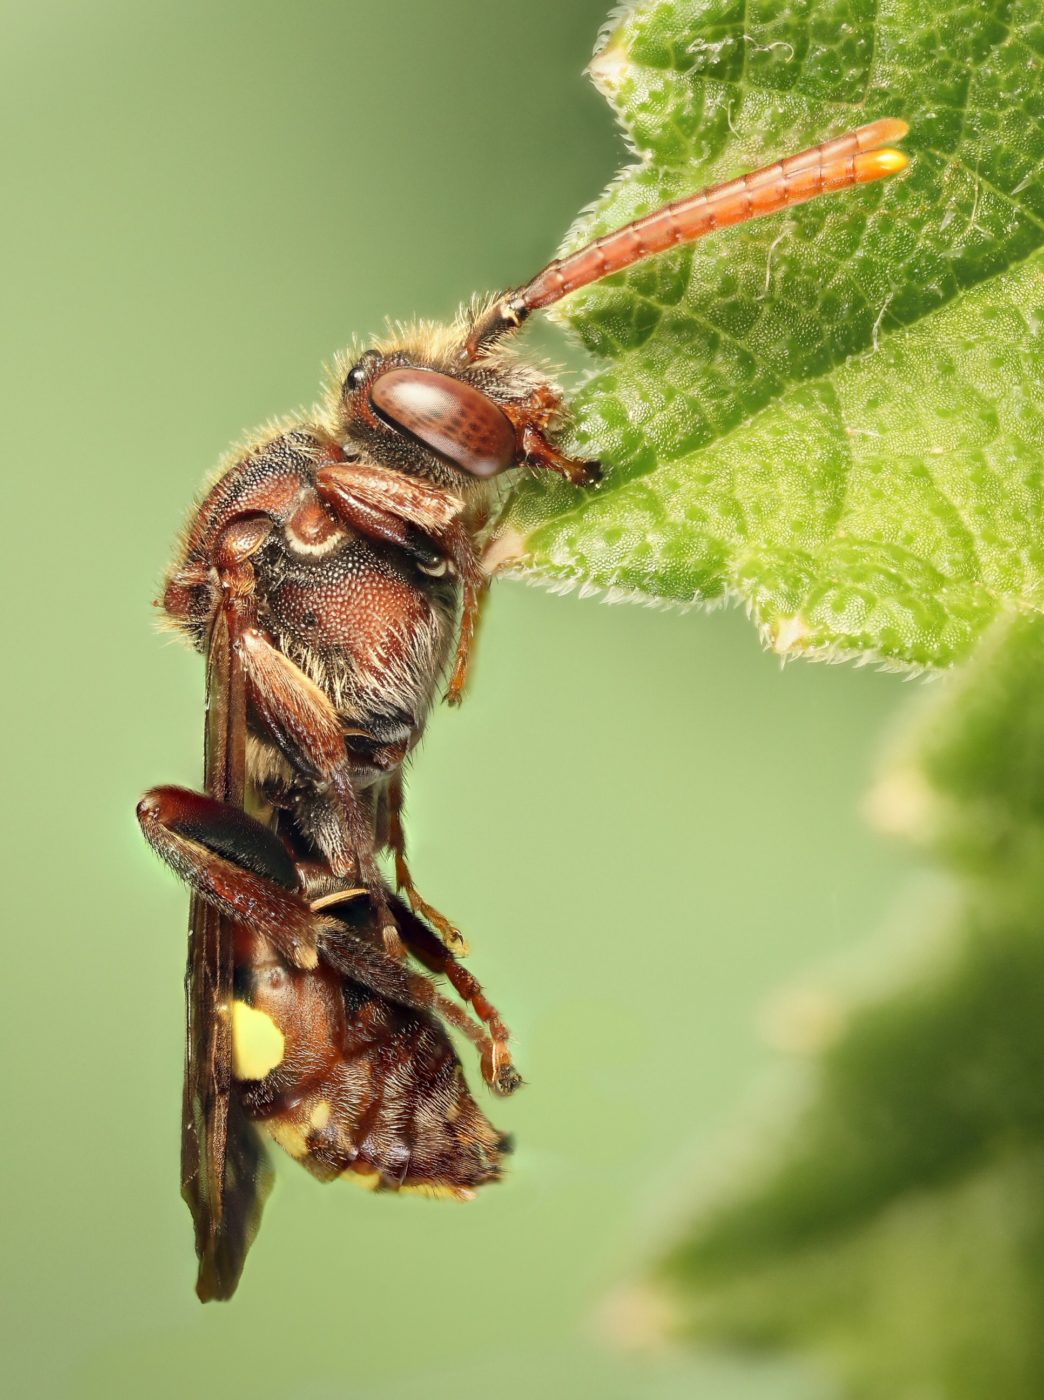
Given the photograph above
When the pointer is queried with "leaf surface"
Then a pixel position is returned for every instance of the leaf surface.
(833, 414)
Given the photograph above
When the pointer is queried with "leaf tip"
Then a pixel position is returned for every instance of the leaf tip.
(505, 549)
(787, 635)
(608, 68)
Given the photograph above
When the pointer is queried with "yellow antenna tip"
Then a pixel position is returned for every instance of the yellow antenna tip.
(875, 165)
(890, 162)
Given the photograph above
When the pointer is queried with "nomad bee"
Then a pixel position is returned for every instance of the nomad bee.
(332, 577)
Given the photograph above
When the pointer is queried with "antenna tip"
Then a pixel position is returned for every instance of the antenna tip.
(893, 129)
(890, 162)
(875, 165)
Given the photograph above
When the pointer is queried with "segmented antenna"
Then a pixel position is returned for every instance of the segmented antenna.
(853, 159)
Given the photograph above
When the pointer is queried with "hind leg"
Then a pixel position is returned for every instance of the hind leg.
(242, 869)
(497, 1067)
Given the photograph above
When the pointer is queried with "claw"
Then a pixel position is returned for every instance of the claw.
(506, 1080)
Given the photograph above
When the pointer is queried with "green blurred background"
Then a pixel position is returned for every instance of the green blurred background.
(643, 824)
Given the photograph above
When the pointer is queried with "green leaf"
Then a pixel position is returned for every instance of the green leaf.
(833, 414)
(892, 1219)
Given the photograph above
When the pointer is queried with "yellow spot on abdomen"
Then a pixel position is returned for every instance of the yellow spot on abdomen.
(369, 1181)
(288, 1135)
(257, 1042)
(435, 1191)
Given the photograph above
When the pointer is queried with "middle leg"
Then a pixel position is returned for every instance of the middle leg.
(404, 880)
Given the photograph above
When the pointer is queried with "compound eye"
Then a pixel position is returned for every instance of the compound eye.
(454, 421)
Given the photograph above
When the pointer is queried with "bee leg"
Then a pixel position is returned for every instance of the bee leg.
(360, 959)
(403, 878)
(234, 863)
(532, 416)
(398, 511)
(386, 505)
(378, 524)
(304, 723)
(497, 1067)
(242, 869)
(475, 591)
(538, 452)
(475, 583)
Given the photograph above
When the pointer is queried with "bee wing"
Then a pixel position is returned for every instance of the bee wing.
(225, 1175)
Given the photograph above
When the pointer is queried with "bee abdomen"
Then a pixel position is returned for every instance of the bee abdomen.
(390, 1110)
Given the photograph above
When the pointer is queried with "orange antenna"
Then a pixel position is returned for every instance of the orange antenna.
(853, 159)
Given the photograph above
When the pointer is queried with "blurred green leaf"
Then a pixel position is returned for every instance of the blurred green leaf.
(833, 414)
(892, 1220)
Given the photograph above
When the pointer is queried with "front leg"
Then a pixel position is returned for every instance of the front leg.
(475, 591)
(533, 417)
(384, 505)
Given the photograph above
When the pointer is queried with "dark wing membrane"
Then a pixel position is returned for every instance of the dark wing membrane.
(225, 1175)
